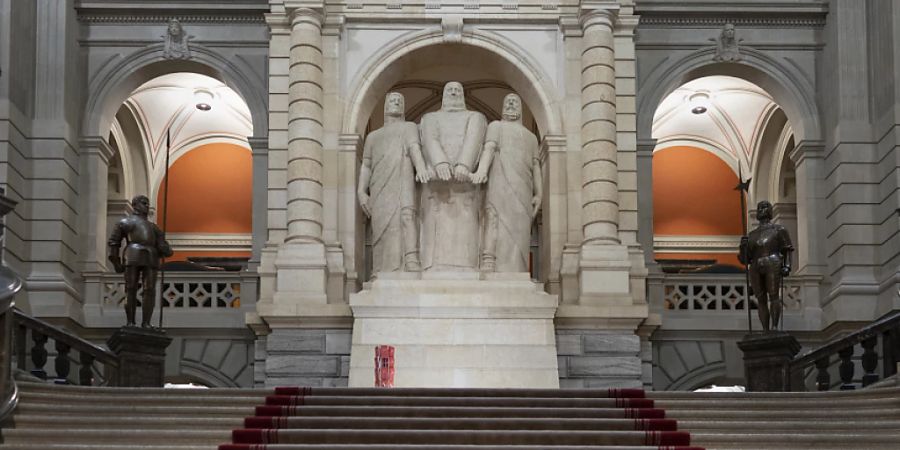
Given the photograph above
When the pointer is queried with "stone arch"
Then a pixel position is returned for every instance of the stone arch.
(791, 90)
(118, 78)
(700, 377)
(385, 69)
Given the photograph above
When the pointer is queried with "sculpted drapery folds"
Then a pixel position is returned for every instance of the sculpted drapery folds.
(511, 166)
(386, 188)
(452, 139)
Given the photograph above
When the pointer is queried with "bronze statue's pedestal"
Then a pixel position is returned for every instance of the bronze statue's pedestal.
(142, 356)
(767, 360)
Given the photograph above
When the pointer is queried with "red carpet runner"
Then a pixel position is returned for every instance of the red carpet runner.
(444, 419)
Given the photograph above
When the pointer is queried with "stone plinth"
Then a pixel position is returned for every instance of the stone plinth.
(456, 329)
(767, 361)
(142, 356)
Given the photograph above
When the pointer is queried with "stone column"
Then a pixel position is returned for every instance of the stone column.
(604, 268)
(599, 170)
(260, 149)
(300, 262)
(95, 154)
(809, 168)
(305, 115)
(555, 223)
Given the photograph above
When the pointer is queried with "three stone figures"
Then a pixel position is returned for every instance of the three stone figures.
(452, 153)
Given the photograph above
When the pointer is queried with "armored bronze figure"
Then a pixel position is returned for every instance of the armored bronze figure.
(767, 250)
(145, 243)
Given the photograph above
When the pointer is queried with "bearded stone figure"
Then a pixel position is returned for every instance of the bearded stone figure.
(452, 139)
(510, 163)
(767, 250)
(386, 188)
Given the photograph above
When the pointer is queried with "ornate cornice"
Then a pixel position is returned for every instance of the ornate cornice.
(164, 18)
(210, 242)
(743, 21)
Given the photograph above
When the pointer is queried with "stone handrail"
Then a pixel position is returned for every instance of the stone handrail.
(8, 391)
(887, 327)
(64, 342)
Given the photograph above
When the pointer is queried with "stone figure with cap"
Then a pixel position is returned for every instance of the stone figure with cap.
(511, 166)
(145, 243)
(452, 139)
(767, 250)
(392, 163)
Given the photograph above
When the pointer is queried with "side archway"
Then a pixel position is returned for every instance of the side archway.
(790, 89)
(118, 79)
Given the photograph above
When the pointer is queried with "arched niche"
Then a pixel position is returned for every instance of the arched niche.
(425, 61)
(408, 56)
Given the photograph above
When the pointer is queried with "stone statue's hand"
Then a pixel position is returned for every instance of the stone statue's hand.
(364, 204)
(461, 173)
(536, 206)
(443, 171)
(424, 175)
(478, 177)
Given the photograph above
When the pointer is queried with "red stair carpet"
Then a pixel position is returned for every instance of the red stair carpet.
(458, 419)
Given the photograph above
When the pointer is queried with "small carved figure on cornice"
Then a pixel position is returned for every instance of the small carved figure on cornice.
(176, 42)
(727, 45)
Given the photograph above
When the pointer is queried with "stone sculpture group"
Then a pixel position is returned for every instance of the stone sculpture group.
(451, 153)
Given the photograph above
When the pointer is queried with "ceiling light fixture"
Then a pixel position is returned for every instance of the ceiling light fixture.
(699, 102)
(204, 98)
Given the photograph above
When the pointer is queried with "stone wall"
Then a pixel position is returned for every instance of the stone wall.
(598, 359)
(307, 357)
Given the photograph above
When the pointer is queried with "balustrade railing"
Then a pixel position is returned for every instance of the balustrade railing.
(89, 355)
(885, 331)
(717, 292)
(8, 391)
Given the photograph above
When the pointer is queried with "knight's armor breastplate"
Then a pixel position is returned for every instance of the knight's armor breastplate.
(141, 250)
(765, 247)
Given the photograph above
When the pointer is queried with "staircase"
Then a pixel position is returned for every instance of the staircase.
(52, 417)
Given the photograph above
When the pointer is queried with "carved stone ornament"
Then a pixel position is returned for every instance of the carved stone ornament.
(727, 45)
(176, 41)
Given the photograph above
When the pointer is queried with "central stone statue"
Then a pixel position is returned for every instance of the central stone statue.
(452, 139)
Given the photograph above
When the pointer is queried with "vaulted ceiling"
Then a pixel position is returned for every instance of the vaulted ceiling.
(724, 115)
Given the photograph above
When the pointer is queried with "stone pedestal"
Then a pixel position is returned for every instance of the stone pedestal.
(456, 329)
(767, 361)
(142, 356)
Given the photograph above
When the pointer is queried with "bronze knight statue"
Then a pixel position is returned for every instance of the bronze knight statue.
(145, 243)
(767, 250)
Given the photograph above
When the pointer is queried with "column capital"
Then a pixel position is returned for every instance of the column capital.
(278, 23)
(96, 145)
(804, 150)
(351, 143)
(598, 12)
(645, 147)
(258, 144)
(306, 12)
(554, 143)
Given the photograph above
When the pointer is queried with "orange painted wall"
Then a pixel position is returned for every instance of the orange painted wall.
(693, 194)
(211, 191)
